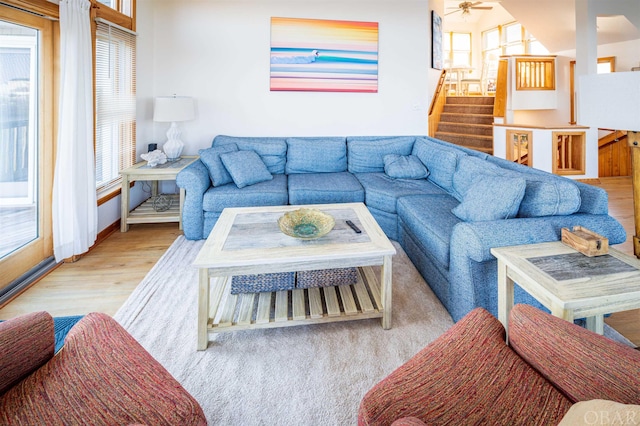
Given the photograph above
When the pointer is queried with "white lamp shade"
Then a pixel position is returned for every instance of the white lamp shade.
(173, 108)
(610, 101)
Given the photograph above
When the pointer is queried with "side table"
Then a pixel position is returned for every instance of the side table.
(145, 212)
(567, 282)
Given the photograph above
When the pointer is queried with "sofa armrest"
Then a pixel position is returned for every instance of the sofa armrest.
(476, 239)
(195, 180)
(26, 343)
(467, 375)
(104, 374)
(581, 364)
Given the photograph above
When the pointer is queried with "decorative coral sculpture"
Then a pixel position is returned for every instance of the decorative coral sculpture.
(154, 158)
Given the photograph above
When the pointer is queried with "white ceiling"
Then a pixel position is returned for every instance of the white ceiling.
(552, 22)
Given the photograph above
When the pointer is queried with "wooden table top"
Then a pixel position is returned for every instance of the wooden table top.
(570, 277)
(249, 239)
(170, 167)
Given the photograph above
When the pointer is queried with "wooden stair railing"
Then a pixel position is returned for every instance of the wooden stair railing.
(614, 155)
(500, 103)
(437, 104)
(611, 138)
(633, 140)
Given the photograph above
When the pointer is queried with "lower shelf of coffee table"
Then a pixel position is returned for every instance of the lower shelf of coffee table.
(231, 312)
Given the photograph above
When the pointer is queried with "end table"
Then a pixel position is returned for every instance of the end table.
(145, 212)
(568, 283)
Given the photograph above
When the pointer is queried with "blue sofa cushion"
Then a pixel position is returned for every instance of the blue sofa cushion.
(268, 193)
(321, 188)
(593, 200)
(316, 155)
(429, 219)
(382, 192)
(404, 167)
(210, 157)
(439, 160)
(366, 154)
(491, 198)
(545, 194)
(272, 151)
(245, 167)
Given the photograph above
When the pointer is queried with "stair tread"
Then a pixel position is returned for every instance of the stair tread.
(465, 135)
(472, 116)
(455, 123)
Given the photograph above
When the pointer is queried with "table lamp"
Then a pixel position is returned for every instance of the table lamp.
(173, 109)
(612, 101)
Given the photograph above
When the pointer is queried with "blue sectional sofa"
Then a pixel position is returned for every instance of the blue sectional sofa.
(447, 206)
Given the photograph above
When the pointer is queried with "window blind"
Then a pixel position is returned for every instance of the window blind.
(115, 87)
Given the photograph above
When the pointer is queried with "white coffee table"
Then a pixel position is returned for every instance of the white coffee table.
(568, 283)
(248, 240)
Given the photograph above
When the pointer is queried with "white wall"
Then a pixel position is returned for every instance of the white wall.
(218, 52)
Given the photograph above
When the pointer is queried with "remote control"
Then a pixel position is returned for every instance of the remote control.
(354, 227)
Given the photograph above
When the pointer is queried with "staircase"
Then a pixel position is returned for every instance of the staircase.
(468, 121)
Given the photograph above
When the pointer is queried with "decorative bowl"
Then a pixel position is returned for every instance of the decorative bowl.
(306, 224)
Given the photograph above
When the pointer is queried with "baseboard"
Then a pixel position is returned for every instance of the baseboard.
(102, 235)
(24, 282)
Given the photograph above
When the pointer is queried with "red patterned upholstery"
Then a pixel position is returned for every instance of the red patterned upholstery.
(26, 343)
(468, 374)
(582, 364)
(102, 376)
(408, 421)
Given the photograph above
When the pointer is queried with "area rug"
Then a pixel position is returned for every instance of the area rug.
(304, 375)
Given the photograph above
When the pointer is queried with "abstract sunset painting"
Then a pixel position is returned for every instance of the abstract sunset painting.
(324, 55)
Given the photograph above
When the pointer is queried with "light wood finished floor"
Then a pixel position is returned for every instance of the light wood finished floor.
(103, 279)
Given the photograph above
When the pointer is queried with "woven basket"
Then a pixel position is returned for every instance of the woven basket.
(259, 283)
(326, 277)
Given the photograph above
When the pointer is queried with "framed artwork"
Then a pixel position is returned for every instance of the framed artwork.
(323, 55)
(436, 41)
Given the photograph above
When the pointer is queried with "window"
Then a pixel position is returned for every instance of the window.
(509, 39)
(457, 49)
(123, 6)
(512, 39)
(115, 86)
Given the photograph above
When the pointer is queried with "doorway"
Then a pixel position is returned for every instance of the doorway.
(26, 142)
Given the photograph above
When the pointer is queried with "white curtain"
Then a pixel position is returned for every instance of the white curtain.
(75, 211)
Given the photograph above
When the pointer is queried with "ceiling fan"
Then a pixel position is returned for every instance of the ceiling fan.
(466, 6)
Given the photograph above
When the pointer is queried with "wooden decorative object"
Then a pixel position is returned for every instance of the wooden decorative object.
(585, 241)
(633, 139)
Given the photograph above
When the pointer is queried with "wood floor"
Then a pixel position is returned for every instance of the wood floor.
(103, 279)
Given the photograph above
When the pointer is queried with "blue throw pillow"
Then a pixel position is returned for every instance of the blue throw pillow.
(211, 158)
(404, 167)
(491, 198)
(272, 150)
(245, 167)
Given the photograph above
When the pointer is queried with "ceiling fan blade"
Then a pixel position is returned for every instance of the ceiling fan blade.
(481, 7)
(451, 13)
